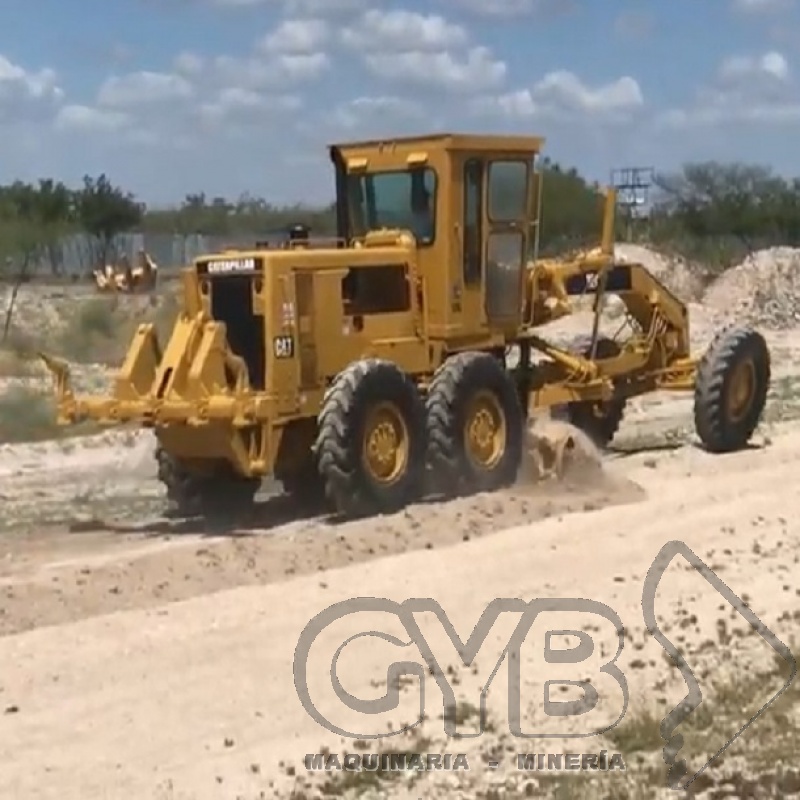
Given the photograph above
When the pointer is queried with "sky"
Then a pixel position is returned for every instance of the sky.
(171, 97)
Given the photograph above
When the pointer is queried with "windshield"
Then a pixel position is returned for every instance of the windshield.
(404, 200)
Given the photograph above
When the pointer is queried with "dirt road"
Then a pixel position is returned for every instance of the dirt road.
(142, 657)
(132, 667)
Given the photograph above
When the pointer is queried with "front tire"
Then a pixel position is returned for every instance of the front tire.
(475, 426)
(370, 446)
(731, 389)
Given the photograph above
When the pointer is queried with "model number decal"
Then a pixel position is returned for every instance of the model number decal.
(618, 279)
(232, 265)
(283, 346)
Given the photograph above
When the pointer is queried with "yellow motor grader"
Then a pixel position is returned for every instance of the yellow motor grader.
(375, 368)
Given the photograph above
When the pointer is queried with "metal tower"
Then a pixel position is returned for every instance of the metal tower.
(633, 195)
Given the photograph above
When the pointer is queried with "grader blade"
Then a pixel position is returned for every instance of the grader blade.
(555, 449)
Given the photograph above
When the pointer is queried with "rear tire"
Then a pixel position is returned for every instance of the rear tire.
(219, 494)
(475, 426)
(731, 389)
(600, 421)
(370, 446)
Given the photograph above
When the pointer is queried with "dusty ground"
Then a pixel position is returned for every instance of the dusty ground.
(144, 658)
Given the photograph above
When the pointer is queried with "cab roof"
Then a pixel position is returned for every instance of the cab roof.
(451, 142)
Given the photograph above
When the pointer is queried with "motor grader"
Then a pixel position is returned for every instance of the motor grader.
(374, 368)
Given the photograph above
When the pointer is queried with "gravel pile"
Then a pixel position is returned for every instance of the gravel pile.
(763, 290)
(677, 274)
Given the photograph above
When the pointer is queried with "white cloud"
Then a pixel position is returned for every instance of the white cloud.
(323, 6)
(227, 94)
(746, 88)
(302, 67)
(297, 36)
(515, 8)
(86, 118)
(364, 112)
(403, 31)
(739, 68)
(240, 107)
(423, 50)
(562, 94)
(762, 6)
(476, 71)
(140, 89)
(27, 95)
(305, 7)
(258, 74)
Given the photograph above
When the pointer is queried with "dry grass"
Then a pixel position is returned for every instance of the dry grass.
(762, 767)
(100, 329)
(93, 330)
(360, 782)
(764, 751)
(27, 415)
(13, 364)
(86, 328)
(17, 355)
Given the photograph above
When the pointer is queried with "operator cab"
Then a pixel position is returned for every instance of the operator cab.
(471, 203)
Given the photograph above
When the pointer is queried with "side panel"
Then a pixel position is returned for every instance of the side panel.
(321, 331)
(283, 367)
(347, 314)
(306, 332)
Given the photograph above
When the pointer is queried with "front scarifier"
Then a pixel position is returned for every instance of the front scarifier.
(731, 387)
(195, 395)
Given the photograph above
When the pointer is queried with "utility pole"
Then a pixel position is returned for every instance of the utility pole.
(633, 194)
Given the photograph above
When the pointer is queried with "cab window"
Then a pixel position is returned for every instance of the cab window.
(508, 191)
(473, 221)
(405, 199)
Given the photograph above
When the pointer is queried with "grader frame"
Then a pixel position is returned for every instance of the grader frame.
(374, 366)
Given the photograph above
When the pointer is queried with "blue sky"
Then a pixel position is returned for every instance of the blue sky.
(231, 96)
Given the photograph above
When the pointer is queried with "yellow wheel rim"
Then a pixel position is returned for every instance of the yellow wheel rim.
(485, 430)
(385, 443)
(741, 390)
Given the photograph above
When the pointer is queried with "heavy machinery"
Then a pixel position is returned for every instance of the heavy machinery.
(375, 368)
(127, 279)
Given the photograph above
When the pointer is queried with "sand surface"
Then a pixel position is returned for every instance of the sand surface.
(142, 657)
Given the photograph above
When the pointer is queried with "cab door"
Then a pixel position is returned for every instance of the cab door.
(506, 222)
(470, 295)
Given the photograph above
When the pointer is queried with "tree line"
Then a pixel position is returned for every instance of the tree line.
(714, 212)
